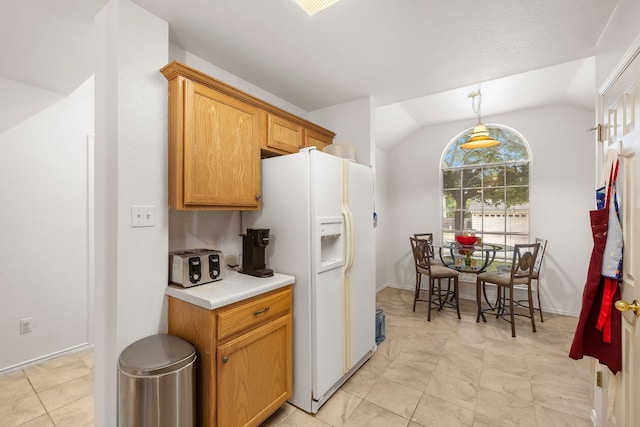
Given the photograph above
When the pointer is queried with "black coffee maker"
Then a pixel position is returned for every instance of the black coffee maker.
(253, 247)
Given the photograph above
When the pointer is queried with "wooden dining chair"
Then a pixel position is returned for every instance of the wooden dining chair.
(438, 297)
(522, 267)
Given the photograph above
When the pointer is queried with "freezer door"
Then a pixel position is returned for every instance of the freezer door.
(327, 293)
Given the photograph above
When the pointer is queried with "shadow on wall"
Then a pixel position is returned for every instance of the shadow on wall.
(555, 277)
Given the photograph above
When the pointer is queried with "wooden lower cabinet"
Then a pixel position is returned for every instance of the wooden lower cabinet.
(244, 369)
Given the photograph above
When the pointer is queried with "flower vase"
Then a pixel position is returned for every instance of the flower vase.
(467, 260)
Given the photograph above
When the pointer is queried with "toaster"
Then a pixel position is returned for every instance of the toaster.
(194, 267)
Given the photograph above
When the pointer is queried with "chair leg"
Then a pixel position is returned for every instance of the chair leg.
(431, 289)
(513, 323)
(538, 295)
(417, 294)
(479, 287)
(531, 310)
(455, 290)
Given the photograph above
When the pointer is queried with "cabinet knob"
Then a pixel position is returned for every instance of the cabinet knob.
(258, 197)
(225, 359)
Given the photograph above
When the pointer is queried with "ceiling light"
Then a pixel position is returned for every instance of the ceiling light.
(315, 6)
(480, 135)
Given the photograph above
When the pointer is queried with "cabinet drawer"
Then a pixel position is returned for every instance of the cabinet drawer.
(249, 314)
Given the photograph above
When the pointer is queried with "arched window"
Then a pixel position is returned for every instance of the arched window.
(487, 189)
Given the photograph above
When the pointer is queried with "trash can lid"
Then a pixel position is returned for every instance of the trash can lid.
(155, 355)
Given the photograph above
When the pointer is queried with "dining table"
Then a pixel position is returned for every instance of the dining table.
(467, 258)
(473, 259)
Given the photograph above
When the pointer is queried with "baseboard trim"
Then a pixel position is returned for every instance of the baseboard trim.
(44, 358)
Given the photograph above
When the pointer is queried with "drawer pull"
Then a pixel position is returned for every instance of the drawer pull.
(259, 312)
(225, 359)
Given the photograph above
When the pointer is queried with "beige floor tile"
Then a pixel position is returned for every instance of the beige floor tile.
(394, 397)
(300, 418)
(459, 392)
(562, 399)
(498, 380)
(361, 382)
(339, 408)
(369, 415)
(14, 386)
(279, 416)
(504, 410)
(411, 370)
(63, 394)
(43, 421)
(79, 413)
(49, 375)
(21, 410)
(547, 417)
(435, 412)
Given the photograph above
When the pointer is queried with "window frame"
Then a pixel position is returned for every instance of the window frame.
(508, 238)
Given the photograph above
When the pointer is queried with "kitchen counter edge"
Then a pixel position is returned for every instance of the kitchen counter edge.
(233, 288)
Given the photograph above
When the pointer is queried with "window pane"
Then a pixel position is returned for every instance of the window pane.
(517, 197)
(493, 222)
(452, 199)
(452, 178)
(518, 174)
(493, 176)
(517, 221)
(485, 156)
(514, 152)
(494, 200)
(472, 178)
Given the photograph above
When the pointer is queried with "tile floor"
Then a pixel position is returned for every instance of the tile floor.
(446, 372)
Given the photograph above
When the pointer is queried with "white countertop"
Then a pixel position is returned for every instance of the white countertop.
(234, 287)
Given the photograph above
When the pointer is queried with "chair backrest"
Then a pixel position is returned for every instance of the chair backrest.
(524, 260)
(543, 246)
(420, 250)
(429, 238)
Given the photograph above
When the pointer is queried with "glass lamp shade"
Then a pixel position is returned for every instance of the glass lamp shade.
(480, 138)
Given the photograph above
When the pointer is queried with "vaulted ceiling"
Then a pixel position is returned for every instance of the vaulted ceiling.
(417, 59)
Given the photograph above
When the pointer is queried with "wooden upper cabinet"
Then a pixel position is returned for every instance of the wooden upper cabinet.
(316, 139)
(217, 135)
(220, 150)
(284, 135)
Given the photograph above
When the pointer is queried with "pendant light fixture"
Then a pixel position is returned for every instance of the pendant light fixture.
(480, 135)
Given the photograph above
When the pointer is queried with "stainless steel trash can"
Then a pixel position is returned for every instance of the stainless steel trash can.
(156, 383)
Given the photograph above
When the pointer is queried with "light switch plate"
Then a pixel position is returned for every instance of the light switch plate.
(143, 216)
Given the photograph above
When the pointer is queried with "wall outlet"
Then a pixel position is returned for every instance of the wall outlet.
(26, 325)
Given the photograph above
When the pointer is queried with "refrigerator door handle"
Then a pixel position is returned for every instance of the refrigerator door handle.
(348, 244)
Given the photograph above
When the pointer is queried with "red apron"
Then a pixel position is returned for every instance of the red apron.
(589, 339)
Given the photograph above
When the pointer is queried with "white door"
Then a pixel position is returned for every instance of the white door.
(619, 111)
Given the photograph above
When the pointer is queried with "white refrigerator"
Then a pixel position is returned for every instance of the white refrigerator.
(319, 209)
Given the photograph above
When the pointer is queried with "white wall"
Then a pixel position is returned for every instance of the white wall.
(353, 124)
(561, 194)
(43, 230)
(619, 35)
(385, 228)
(131, 168)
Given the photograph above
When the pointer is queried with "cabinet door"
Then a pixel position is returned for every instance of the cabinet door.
(221, 149)
(284, 135)
(316, 139)
(254, 374)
